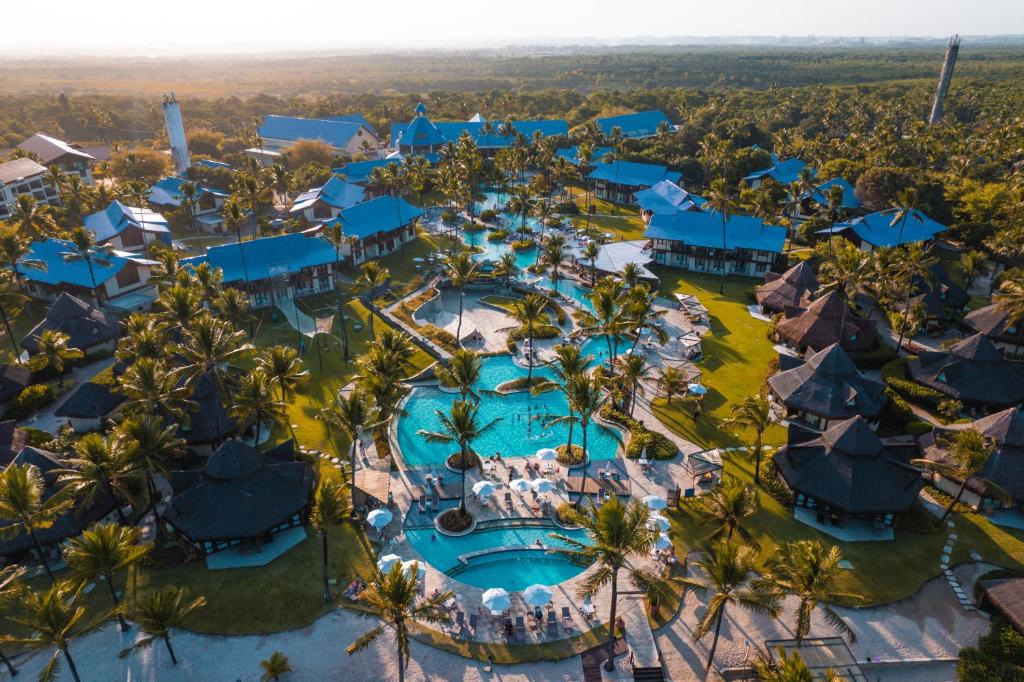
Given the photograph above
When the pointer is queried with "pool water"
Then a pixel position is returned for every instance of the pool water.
(521, 431)
(513, 570)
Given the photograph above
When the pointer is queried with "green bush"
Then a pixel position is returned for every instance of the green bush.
(895, 369)
(473, 227)
(567, 208)
(916, 393)
(540, 331)
(448, 217)
(567, 514)
(497, 235)
(522, 244)
(999, 656)
(439, 336)
(640, 437)
(488, 215)
(918, 428)
(31, 399)
(876, 358)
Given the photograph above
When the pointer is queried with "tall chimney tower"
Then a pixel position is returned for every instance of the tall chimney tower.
(176, 134)
(947, 75)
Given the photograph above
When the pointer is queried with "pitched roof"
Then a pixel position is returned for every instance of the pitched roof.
(50, 148)
(636, 125)
(294, 128)
(167, 192)
(74, 272)
(848, 468)
(666, 197)
(782, 172)
(877, 228)
(820, 193)
(267, 257)
(972, 371)
(704, 228)
(12, 440)
(994, 322)
(940, 295)
(571, 154)
(87, 325)
(829, 385)
(359, 171)
(382, 214)
(241, 493)
(13, 380)
(90, 401)
(112, 220)
(335, 192)
(18, 169)
(1007, 597)
(614, 256)
(632, 173)
(821, 324)
(209, 420)
(422, 132)
(788, 289)
(352, 118)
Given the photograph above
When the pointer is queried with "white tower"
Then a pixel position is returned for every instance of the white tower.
(176, 133)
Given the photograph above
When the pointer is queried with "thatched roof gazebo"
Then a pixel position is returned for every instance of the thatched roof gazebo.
(823, 322)
(972, 371)
(994, 322)
(792, 288)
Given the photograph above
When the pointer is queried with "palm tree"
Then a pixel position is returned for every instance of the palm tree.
(253, 402)
(616, 533)
(145, 336)
(460, 426)
(33, 219)
(635, 369)
(14, 246)
(275, 666)
(905, 208)
(462, 372)
(392, 598)
(151, 386)
(372, 276)
(586, 398)
(156, 612)
(973, 264)
(189, 190)
(914, 270)
(554, 254)
(284, 368)
(85, 248)
(11, 301)
(1006, 246)
(845, 271)
(590, 253)
(729, 568)
(53, 352)
(728, 505)
(233, 306)
(102, 550)
(180, 304)
(672, 382)
(529, 312)
(149, 444)
(54, 618)
(25, 507)
(641, 312)
(720, 200)
(281, 181)
(521, 203)
(790, 668)
(609, 318)
(461, 270)
(352, 415)
(569, 362)
(252, 188)
(507, 267)
(969, 451)
(207, 279)
(753, 413)
(808, 571)
(1010, 299)
(100, 468)
(234, 219)
(328, 509)
(10, 589)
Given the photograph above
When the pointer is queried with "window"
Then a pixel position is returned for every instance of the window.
(128, 276)
(759, 267)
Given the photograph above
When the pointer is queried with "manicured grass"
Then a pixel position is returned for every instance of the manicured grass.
(736, 356)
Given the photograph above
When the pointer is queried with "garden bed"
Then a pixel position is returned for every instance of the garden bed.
(454, 461)
(454, 521)
(640, 437)
(520, 384)
(573, 458)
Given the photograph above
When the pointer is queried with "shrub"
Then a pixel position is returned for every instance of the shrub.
(473, 227)
(568, 457)
(488, 215)
(520, 384)
(447, 217)
(439, 336)
(897, 369)
(455, 461)
(567, 208)
(916, 393)
(522, 244)
(540, 331)
(918, 428)
(999, 656)
(876, 358)
(640, 437)
(454, 520)
(773, 483)
(497, 235)
(567, 515)
(31, 399)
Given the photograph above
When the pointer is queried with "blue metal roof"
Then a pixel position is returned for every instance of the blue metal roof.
(294, 128)
(665, 198)
(783, 172)
(267, 256)
(112, 220)
(850, 200)
(168, 191)
(359, 171)
(382, 214)
(352, 118)
(335, 192)
(704, 228)
(210, 163)
(633, 174)
(877, 228)
(571, 154)
(421, 131)
(639, 124)
(74, 272)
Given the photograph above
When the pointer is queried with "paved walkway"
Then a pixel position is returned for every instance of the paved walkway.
(45, 419)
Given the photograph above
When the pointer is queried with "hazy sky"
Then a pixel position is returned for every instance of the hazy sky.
(105, 26)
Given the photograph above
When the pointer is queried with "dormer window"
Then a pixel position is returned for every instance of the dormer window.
(942, 377)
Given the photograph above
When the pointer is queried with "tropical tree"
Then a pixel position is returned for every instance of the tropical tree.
(609, 318)
(590, 253)
(352, 414)
(727, 505)
(85, 248)
(914, 271)
(462, 372)
(253, 402)
(729, 570)
(460, 426)
(11, 302)
(284, 368)
(634, 369)
(507, 267)
(156, 612)
(529, 313)
(521, 203)
(720, 201)
(10, 589)
(100, 468)
(808, 571)
(275, 666)
(54, 618)
(189, 191)
(1010, 300)
(586, 398)
(461, 270)
(393, 598)
(569, 362)
(616, 534)
(145, 336)
(790, 668)
(753, 414)
(969, 452)
(207, 279)
(33, 219)
(553, 254)
(973, 264)
(151, 386)
(103, 550)
(53, 353)
(179, 304)
(14, 247)
(372, 276)
(672, 381)
(233, 306)
(640, 311)
(26, 508)
(149, 444)
(328, 509)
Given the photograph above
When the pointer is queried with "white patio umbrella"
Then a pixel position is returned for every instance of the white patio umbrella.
(387, 561)
(496, 599)
(542, 485)
(537, 595)
(655, 502)
(483, 488)
(547, 454)
(658, 521)
(379, 518)
(663, 542)
(520, 485)
(421, 572)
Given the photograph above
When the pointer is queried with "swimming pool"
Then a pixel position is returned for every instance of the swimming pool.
(519, 433)
(514, 562)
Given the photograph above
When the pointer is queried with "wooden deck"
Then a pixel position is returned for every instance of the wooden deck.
(611, 486)
(373, 476)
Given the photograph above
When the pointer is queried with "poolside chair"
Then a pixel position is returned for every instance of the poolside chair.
(473, 620)
(460, 622)
(423, 503)
(567, 619)
(508, 501)
(552, 624)
(436, 500)
(520, 629)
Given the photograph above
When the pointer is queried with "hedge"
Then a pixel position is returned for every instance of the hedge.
(497, 235)
(918, 428)
(540, 331)
(640, 437)
(874, 359)
(488, 215)
(894, 375)
(567, 208)
(31, 399)
(522, 244)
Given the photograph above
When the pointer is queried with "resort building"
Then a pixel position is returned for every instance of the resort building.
(619, 181)
(274, 269)
(128, 228)
(825, 388)
(381, 226)
(792, 288)
(119, 280)
(823, 322)
(635, 126)
(941, 298)
(206, 205)
(666, 198)
(208, 423)
(24, 176)
(572, 155)
(613, 258)
(70, 158)
(972, 371)
(327, 201)
(89, 406)
(994, 322)
(359, 172)
(879, 229)
(1004, 432)
(693, 240)
(345, 135)
(782, 172)
(241, 496)
(819, 195)
(14, 379)
(89, 329)
(846, 473)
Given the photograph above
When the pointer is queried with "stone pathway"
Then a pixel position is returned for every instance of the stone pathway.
(962, 596)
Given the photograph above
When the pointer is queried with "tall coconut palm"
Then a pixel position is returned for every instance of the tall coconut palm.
(1010, 299)
(462, 271)
(100, 468)
(973, 264)
(609, 318)
(790, 668)
(460, 426)
(153, 387)
(10, 589)
(590, 253)
(569, 362)
(54, 618)
(189, 191)
(808, 571)
(84, 248)
(393, 598)
(275, 666)
(149, 444)
(53, 353)
(14, 247)
(352, 415)
(328, 509)
(1006, 246)
(33, 219)
(103, 550)
(553, 254)
(634, 368)
(281, 181)
(372, 276)
(180, 304)
(145, 336)
(507, 267)
(720, 201)
(156, 612)
(284, 368)
(752, 414)
(727, 506)
(462, 372)
(11, 302)
(521, 203)
(207, 279)
(529, 313)
(586, 398)
(252, 402)
(234, 219)
(969, 452)
(914, 271)
(233, 306)
(730, 571)
(672, 381)
(845, 270)
(639, 304)
(617, 533)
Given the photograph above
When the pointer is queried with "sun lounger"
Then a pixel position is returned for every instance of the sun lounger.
(460, 621)
(423, 503)
(436, 500)
(472, 623)
(508, 501)
(566, 619)
(520, 629)
(552, 625)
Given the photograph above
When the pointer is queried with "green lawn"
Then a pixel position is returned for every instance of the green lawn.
(31, 314)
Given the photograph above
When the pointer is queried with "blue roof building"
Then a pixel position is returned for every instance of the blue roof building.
(634, 126)
(619, 181)
(881, 229)
(782, 172)
(571, 154)
(819, 194)
(167, 192)
(382, 226)
(327, 200)
(423, 136)
(128, 228)
(666, 198)
(693, 240)
(358, 172)
(278, 132)
(354, 118)
(210, 163)
(258, 260)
